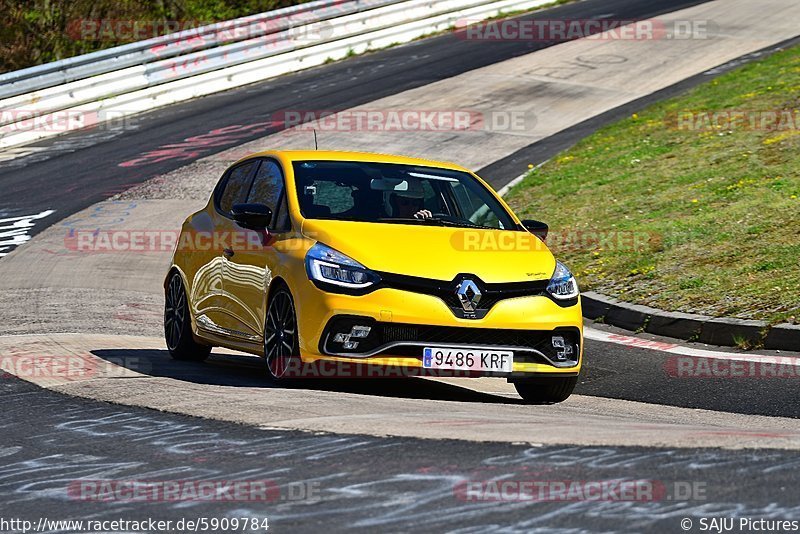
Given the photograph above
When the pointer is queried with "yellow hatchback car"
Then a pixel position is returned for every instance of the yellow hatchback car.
(352, 259)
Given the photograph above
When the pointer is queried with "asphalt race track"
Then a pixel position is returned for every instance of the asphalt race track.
(389, 455)
(358, 483)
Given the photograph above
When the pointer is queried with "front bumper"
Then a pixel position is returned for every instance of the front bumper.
(513, 324)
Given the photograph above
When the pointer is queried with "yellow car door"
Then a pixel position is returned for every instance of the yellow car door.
(249, 263)
(215, 313)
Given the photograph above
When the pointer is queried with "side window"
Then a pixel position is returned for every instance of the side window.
(236, 187)
(281, 221)
(268, 189)
(267, 185)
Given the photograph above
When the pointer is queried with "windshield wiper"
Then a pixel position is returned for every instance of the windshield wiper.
(414, 220)
(433, 222)
(463, 224)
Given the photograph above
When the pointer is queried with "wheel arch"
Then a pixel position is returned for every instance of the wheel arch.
(174, 269)
(276, 283)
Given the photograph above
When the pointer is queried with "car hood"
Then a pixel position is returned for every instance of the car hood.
(437, 252)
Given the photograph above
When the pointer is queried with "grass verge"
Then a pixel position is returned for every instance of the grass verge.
(690, 205)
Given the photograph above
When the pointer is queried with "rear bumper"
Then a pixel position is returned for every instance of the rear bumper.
(387, 308)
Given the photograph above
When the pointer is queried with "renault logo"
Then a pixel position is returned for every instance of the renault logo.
(469, 295)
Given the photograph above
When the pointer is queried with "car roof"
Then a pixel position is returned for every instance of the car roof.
(342, 155)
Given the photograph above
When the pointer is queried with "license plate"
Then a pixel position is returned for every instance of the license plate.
(460, 359)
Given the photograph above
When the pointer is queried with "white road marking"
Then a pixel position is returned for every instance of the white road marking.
(14, 230)
(674, 348)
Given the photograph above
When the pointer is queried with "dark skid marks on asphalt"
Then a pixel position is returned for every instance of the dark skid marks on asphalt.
(364, 483)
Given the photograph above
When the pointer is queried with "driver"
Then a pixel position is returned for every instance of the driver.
(407, 205)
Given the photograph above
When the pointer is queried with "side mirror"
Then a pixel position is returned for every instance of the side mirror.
(537, 228)
(253, 216)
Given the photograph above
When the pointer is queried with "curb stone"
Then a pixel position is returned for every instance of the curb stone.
(783, 337)
(721, 331)
(676, 324)
(725, 331)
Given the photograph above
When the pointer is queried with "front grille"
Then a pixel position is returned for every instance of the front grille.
(491, 294)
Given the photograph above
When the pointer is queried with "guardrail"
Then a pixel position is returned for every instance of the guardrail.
(176, 44)
(114, 83)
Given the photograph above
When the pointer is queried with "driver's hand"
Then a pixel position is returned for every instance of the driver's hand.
(423, 214)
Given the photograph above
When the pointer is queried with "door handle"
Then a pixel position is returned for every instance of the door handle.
(228, 252)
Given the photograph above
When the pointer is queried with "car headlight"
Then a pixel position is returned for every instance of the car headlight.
(329, 266)
(563, 285)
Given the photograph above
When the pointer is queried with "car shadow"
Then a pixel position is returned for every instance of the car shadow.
(235, 370)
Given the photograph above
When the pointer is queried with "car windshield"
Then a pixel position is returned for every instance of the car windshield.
(400, 194)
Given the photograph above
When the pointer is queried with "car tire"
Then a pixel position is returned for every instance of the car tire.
(281, 340)
(178, 324)
(546, 390)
